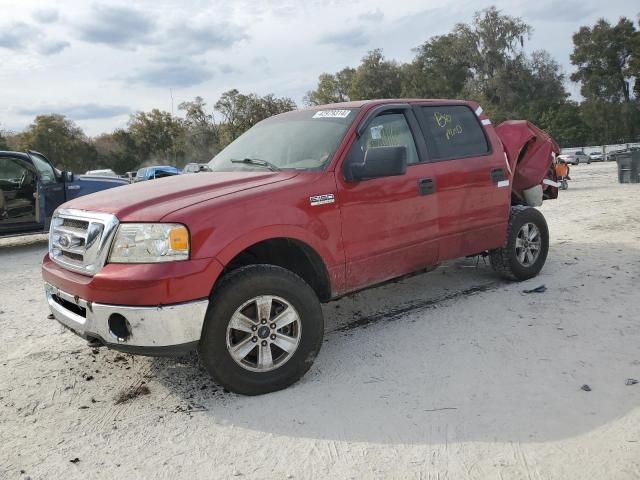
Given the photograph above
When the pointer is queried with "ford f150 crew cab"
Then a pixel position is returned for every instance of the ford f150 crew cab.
(303, 208)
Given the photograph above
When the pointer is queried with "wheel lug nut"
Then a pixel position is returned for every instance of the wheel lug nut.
(273, 337)
(254, 328)
(273, 326)
(263, 322)
(264, 343)
(254, 339)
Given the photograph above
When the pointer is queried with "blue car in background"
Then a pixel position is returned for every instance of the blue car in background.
(31, 189)
(159, 171)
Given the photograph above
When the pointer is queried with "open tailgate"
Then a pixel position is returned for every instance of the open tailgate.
(529, 152)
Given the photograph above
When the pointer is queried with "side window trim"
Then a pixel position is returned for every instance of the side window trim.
(422, 121)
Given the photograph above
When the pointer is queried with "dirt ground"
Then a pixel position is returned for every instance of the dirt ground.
(452, 374)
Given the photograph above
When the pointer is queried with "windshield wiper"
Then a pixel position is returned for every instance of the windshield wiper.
(258, 162)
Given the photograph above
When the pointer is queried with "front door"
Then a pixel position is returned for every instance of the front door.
(389, 224)
(51, 190)
(18, 193)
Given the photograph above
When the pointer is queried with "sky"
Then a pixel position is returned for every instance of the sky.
(99, 62)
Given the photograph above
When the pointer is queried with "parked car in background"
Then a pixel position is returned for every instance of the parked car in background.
(31, 189)
(106, 172)
(575, 158)
(611, 154)
(196, 168)
(151, 173)
(304, 207)
(596, 156)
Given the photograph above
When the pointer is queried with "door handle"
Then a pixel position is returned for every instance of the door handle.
(497, 175)
(426, 186)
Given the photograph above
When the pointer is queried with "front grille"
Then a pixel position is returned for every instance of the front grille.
(77, 224)
(79, 240)
(73, 256)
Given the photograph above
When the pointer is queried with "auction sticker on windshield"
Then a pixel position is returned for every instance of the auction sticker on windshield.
(332, 114)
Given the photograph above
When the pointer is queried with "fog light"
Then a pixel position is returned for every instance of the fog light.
(119, 327)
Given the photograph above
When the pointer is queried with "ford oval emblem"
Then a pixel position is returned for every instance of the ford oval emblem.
(64, 241)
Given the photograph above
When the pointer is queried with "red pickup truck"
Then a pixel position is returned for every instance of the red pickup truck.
(303, 208)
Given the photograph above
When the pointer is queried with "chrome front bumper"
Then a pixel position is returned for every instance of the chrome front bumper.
(162, 330)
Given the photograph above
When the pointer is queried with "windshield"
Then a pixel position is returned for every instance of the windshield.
(303, 140)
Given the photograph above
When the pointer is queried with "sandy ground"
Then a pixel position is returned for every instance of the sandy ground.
(448, 375)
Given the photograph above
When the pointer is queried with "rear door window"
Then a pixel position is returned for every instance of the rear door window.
(453, 131)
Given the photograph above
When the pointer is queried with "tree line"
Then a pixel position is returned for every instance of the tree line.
(153, 137)
(484, 60)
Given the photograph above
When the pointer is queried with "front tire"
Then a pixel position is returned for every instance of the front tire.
(262, 331)
(526, 247)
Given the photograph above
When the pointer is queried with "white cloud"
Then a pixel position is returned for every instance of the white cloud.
(130, 53)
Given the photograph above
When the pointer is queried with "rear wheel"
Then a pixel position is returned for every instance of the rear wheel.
(525, 250)
(262, 331)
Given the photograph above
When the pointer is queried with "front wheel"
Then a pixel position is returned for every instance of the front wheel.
(525, 250)
(263, 329)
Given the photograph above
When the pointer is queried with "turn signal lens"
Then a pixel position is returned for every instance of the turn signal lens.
(179, 238)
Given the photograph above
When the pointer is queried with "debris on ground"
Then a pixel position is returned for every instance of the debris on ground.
(586, 388)
(540, 289)
(88, 378)
(131, 393)
(75, 460)
(631, 381)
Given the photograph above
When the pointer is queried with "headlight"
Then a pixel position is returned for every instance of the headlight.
(150, 243)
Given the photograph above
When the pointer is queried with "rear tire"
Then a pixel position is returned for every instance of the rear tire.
(526, 247)
(247, 324)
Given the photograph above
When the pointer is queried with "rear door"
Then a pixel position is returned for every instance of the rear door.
(389, 224)
(472, 178)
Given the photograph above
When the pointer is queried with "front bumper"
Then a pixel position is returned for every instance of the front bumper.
(163, 330)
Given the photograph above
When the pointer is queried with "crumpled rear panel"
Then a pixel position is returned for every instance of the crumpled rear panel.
(529, 151)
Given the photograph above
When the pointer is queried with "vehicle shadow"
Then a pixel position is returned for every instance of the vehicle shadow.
(454, 355)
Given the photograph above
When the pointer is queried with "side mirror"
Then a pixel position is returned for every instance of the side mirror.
(380, 162)
(67, 177)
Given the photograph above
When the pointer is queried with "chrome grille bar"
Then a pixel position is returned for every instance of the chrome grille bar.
(79, 241)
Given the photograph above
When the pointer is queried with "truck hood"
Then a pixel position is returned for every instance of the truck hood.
(529, 152)
(153, 199)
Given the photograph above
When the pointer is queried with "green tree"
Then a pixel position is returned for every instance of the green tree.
(492, 42)
(240, 112)
(4, 145)
(602, 55)
(117, 151)
(331, 88)
(376, 77)
(440, 69)
(158, 137)
(61, 140)
(566, 125)
(201, 141)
